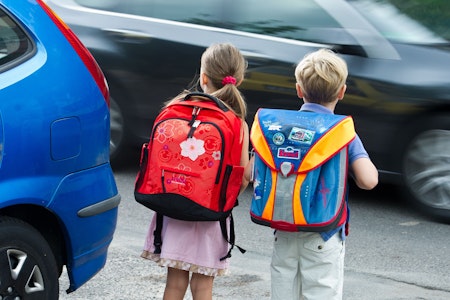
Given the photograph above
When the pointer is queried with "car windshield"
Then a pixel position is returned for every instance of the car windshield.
(415, 21)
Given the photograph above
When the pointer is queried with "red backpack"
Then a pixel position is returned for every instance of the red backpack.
(190, 169)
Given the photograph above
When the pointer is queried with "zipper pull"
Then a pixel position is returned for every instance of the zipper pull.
(194, 123)
(193, 128)
(195, 112)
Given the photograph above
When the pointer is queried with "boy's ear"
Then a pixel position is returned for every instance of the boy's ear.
(342, 92)
(299, 90)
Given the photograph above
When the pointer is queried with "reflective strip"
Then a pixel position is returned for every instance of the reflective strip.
(343, 161)
(268, 209)
(283, 195)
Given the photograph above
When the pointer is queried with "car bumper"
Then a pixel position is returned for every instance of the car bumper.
(88, 202)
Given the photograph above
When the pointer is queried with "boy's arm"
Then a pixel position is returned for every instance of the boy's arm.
(365, 173)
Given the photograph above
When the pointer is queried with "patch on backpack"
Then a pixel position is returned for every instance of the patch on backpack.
(278, 138)
(288, 153)
(301, 135)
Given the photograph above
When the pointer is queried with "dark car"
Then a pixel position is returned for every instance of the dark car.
(397, 53)
(58, 205)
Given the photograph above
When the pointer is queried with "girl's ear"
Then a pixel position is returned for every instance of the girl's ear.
(299, 90)
(203, 79)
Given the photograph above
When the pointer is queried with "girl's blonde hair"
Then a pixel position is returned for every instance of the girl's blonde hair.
(220, 61)
(321, 75)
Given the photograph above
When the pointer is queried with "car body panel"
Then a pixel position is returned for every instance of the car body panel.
(55, 144)
(87, 246)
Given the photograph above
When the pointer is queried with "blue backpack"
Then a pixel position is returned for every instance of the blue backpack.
(300, 170)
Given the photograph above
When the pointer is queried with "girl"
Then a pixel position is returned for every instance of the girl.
(195, 247)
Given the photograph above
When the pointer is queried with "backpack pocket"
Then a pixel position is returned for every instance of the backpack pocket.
(178, 181)
(143, 162)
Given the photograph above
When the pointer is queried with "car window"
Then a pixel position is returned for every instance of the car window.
(417, 22)
(14, 43)
(203, 12)
(299, 20)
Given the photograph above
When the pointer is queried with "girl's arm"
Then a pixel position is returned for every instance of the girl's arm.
(244, 156)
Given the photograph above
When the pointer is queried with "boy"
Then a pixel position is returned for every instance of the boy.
(310, 265)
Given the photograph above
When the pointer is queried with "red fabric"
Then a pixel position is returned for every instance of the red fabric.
(195, 166)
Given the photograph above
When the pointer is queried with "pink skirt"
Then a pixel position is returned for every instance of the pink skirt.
(191, 246)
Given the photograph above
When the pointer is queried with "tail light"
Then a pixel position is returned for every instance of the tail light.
(82, 51)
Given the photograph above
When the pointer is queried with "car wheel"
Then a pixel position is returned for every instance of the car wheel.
(27, 264)
(427, 172)
(117, 127)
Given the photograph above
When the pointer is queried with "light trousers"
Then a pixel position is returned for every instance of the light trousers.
(306, 267)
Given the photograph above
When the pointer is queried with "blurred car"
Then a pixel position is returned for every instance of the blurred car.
(397, 53)
(59, 200)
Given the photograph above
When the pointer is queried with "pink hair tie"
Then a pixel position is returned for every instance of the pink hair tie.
(229, 80)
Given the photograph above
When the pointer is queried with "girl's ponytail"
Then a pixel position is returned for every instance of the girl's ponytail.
(225, 67)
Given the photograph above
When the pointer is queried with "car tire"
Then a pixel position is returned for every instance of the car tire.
(426, 168)
(117, 130)
(28, 266)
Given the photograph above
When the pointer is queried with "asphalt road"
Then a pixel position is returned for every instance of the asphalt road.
(393, 252)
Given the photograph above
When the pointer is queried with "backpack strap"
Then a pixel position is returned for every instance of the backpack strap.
(218, 102)
(223, 228)
(157, 241)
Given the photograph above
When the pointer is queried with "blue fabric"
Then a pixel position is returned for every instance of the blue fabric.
(355, 150)
(285, 138)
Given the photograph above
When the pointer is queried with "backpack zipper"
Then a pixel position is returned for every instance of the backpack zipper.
(193, 123)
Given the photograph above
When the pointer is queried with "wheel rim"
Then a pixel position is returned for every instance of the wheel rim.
(116, 127)
(427, 168)
(25, 277)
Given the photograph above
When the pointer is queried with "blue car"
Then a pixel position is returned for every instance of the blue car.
(58, 196)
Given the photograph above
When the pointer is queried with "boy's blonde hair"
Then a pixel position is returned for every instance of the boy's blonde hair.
(321, 75)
